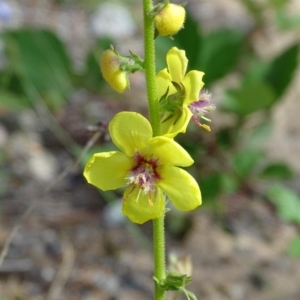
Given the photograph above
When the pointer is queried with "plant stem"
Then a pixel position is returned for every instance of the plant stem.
(159, 255)
(153, 107)
(150, 68)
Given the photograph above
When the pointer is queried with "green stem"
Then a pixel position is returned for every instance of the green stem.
(150, 69)
(153, 107)
(159, 255)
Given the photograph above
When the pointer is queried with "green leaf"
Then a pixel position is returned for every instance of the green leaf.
(285, 21)
(229, 183)
(277, 170)
(92, 78)
(256, 138)
(294, 249)
(286, 201)
(189, 39)
(244, 162)
(162, 46)
(219, 53)
(40, 60)
(256, 71)
(11, 101)
(211, 187)
(249, 98)
(282, 69)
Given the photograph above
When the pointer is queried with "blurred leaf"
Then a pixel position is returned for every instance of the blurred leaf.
(226, 137)
(244, 162)
(294, 249)
(285, 21)
(277, 170)
(39, 59)
(11, 101)
(286, 202)
(258, 135)
(189, 39)
(249, 98)
(282, 69)
(162, 45)
(219, 53)
(211, 187)
(253, 8)
(256, 71)
(278, 4)
(92, 78)
(229, 183)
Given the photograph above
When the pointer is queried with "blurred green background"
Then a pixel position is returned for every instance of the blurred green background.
(52, 92)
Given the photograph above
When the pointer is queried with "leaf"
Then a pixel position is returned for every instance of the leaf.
(211, 187)
(256, 138)
(219, 53)
(256, 71)
(282, 69)
(249, 98)
(244, 162)
(286, 22)
(162, 46)
(189, 39)
(286, 202)
(11, 101)
(277, 170)
(39, 59)
(294, 249)
(92, 78)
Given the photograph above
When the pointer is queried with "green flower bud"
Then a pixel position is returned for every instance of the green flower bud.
(111, 71)
(169, 20)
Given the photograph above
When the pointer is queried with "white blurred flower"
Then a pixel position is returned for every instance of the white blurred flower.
(5, 11)
(112, 20)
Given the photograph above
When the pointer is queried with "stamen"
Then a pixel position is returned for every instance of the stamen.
(206, 127)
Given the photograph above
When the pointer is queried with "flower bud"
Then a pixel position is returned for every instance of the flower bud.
(111, 71)
(169, 20)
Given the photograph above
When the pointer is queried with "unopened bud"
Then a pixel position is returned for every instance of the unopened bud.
(111, 71)
(169, 20)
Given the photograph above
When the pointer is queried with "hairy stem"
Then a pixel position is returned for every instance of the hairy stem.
(153, 107)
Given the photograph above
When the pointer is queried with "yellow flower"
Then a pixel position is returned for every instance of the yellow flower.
(111, 71)
(146, 166)
(190, 84)
(169, 20)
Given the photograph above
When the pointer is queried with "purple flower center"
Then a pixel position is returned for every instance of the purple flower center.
(144, 175)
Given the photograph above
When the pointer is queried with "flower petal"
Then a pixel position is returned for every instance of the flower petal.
(163, 82)
(108, 170)
(181, 188)
(176, 124)
(177, 64)
(130, 131)
(137, 208)
(193, 84)
(169, 152)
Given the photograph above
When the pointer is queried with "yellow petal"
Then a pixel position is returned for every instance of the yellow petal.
(163, 82)
(181, 188)
(193, 84)
(176, 124)
(177, 64)
(130, 131)
(107, 170)
(139, 208)
(169, 152)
